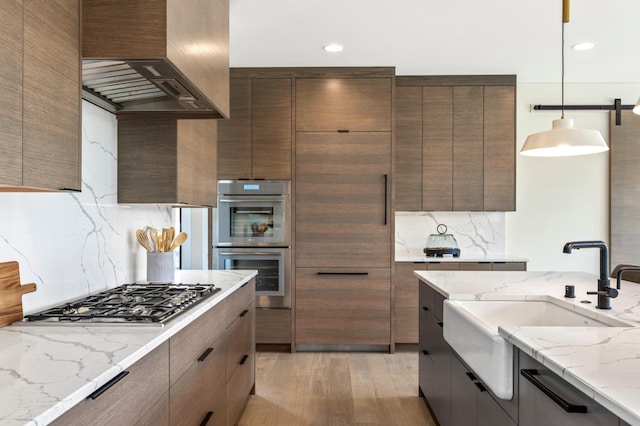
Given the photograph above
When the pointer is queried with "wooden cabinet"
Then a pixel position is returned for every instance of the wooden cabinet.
(273, 326)
(40, 123)
(405, 284)
(455, 143)
(167, 161)
(334, 104)
(137, 397)
(343, 306)
(545, 398)
(256, 142)
(342, 199)
(240, 359)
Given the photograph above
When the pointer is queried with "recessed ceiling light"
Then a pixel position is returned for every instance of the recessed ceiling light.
(583, 46)
(333, 48)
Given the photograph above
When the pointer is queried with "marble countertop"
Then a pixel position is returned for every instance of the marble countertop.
(46, 370)
(603, 362)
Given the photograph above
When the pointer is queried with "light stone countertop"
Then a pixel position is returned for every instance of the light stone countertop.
(603, 362)
(45, 370)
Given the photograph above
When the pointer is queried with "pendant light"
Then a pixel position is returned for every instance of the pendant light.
(563, 139)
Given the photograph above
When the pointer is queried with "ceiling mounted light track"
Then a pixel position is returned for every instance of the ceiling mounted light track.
(563, 139)
(617, 107)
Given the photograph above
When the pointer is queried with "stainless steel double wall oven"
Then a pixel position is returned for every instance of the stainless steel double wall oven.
(254, 232)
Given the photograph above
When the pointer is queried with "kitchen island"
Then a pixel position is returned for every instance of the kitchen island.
(601, 362)
(46, 370)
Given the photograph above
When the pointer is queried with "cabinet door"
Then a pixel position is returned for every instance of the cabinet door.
(354, 104)
(407, 176)
(464, 400)
(51, 94)
(468, 151)
(437, 150)
(11, 89)
(234, 135)
(405, 304)
(272, 129)
(273, 325)
(475, 266)
(438, 393)
(499, 148)
(128, 400)
(196, 162)
(342, 200)
(343, 306)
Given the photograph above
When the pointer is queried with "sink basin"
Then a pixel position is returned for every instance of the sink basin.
(471, 329)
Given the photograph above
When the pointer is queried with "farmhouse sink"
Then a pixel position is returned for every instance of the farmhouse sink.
(471, 329)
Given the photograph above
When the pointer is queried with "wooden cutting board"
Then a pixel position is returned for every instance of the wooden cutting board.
(11, 293)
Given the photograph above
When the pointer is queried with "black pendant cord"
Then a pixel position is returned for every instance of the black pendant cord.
(562, 77)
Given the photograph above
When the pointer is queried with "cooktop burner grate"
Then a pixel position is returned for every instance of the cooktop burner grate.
(129, 303)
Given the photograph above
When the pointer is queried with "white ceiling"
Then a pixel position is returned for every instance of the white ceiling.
(432, 37)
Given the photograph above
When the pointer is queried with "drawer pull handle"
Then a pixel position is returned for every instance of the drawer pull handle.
(471, 376)
(480, 386)
(343, 131)
(440, 324)
(205, 354)
(425, 353)
(206, 418)
(343, 273)
(243, 313)
(102, 389)
(424, 308)
(244, 359)
(530, 375)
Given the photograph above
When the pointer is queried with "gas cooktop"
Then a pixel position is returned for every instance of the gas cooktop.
(152, 304)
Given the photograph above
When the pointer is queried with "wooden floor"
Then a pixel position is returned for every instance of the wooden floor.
(336, 388)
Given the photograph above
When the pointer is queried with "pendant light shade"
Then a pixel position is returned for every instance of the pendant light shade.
(563, 139)
(636, 109)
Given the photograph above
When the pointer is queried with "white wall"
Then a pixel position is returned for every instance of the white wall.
(73, 244)
(562, 199)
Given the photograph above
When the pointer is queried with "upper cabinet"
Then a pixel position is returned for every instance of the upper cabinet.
(167, 161)
(337, 104)
(157, 56)
(40, 120)
(455, 143)
(256, 143)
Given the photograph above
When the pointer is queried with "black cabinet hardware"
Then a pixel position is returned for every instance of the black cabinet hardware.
(244, 359)
(343, 131)
(424, 308)
(342, 273)
(440, 324)
(480, 386)
(243, 313)
(386, 195)
(206, 418)
(530, 375)
(102, 389)
(470, 376)
(425, 352)
(205, 354)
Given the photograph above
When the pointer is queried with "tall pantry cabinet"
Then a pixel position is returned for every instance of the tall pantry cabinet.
(343, 216)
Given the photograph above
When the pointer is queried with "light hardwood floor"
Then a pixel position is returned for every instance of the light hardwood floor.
(336, 388)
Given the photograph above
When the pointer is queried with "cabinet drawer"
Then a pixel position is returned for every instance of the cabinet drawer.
(443, 266)
(273, 325)
(431, 300)
(199, 390)
(239, 300)
(240, 340)
(509, 266)
(475, 266)
(128, 400)
(537, 408)
(186, 346)
(239, 387)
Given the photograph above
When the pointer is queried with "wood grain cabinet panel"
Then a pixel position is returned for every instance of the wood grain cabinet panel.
(405, 305)
(343, 306)
(130, 399)
(11, 89)
(273, 326)
(167, 161)
(354, 104)
(40, 132)
(468, 143)
(256, 142)
(342, 199)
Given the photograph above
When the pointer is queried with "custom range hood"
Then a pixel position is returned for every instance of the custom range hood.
(157, 57)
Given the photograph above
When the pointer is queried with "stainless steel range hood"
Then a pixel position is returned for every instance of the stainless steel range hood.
(158, 56)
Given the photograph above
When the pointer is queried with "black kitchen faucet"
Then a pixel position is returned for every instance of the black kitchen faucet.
(605, 292)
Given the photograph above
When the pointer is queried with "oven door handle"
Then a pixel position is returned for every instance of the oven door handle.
(251, 200)
(249, 253)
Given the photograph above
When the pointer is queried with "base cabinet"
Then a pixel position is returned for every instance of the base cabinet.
(547, 399)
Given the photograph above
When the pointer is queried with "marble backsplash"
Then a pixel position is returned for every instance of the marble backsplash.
(477, 233)
(73, 244)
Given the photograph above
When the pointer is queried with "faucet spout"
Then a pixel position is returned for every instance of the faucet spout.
(605, 293)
